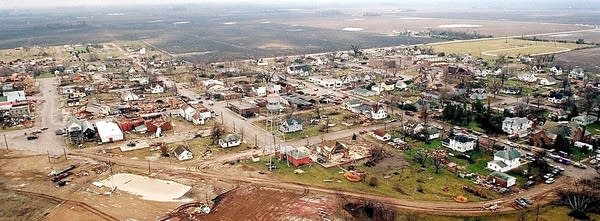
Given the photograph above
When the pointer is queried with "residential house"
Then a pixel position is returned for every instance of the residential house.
(516, 126)
(349, 79)
(200, 117)
(460, 143)
(157, 88)
(547, 81)
(129, 96)
(505, 160)
(290, 125)
(556, 70)
(556, 98)
(429, 133)
(381, 135)
(378, 112)
(478, 94)
(577, 73)
(527, 77)
(186, 111)
(230, 140)
(350, 104)
(502, 179)
(298, 69)
(510, 90)
(183, 153)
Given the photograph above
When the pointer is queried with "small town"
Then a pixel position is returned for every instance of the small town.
(491, 128)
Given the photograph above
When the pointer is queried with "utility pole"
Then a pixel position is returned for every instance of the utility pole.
(222, 118)
(48, 156)
(65, 153)
(148, 167)
(256, 140)
(5, 142)
(233, 121)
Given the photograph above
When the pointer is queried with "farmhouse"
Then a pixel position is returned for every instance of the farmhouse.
(505, 160)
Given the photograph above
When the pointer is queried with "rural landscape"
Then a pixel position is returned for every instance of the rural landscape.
(383, 111)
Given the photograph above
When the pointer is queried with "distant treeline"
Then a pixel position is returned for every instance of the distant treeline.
(456, 35)
(578, 41)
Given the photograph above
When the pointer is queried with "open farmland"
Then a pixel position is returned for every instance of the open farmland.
(510, 47)
(584, 58)
(391, 25)
(592, 36)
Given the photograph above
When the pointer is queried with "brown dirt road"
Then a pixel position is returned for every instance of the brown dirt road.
(430, 207)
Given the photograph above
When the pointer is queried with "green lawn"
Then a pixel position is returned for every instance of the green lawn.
(594, 128)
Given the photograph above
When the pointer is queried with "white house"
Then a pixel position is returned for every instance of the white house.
(298, 69)
(510, 90)
(505, 160)
(556, 70)
(460, 143)
(547, 81)
(183, 153)
(129, 96)
(157, 89)
(262, 62)
(186, 111)
(381, 135)
(109, 131)
(199, 118)
(516, 126)
(230, 140)
(352, 103)
(378, 112)
(527, 77)
(430, 133)
(577, 73)
(290, 125)
(478, 94)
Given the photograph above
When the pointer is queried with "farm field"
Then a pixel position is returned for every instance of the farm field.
(390, 25)
(584, 58)
(511, 47)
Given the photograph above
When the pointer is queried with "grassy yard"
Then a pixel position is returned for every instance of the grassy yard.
(336, 116)
(512, 47)
(594, 128)
(410, 182)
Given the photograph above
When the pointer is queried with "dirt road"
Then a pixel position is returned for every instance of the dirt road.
(445, 208)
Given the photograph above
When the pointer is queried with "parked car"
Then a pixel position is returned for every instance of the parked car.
(528, 184)
(32, 137)
(579, 165)
(60, 132)
(550, 181)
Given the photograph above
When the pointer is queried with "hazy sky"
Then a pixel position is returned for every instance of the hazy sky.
(523, 4)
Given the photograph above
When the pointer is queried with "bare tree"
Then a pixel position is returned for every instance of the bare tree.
(216, 132)
(581, 197)
(356, 49)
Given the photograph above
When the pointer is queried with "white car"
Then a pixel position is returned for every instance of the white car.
(550, 181)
